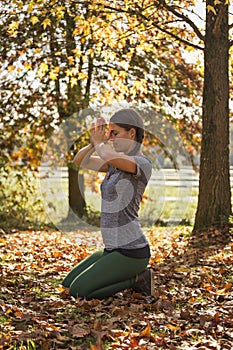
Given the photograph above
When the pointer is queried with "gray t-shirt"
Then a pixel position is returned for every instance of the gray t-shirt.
(121, 196)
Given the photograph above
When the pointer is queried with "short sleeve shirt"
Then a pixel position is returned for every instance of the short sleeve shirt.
(121, 197)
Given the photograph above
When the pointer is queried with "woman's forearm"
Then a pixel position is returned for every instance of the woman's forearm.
(105, 151)
(83, 155)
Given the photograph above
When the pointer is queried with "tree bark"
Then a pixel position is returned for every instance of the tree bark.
(76, 195)
(214, 200)
(75, 103)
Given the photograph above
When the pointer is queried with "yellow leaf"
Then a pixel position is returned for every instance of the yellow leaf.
(217, 2)
(60, 12)
(146, 332)
(82, 76)
(123, 74)
(71, 59)
(3, 241)
(29, 42)
(138, 84)
(111, 56)
(13, 25)
(43, 68)
(120, 45)
(77, 52)
(37, 50)
(28, 66)
(211, 8)
(69, 72)
(30, 7)
(91, 53)
(173, 328)
(11, 68)
(53, 74)
(46, 23)
(21, 52)
(8, 311)
(76, 31)
(19, 4)
(12, 29)
(182, 269)
(34, 19)
(113, 72)
(73, 81)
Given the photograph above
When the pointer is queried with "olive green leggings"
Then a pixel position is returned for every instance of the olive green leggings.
(103, 274)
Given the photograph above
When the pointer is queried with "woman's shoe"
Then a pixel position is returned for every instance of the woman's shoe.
(145, 283)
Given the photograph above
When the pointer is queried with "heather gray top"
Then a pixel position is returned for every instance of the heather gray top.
(121, 196)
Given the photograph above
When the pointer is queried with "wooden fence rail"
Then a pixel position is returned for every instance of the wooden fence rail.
(172, 193)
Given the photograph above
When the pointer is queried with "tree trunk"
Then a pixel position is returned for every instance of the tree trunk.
(76, 195)
(77, 203)
(214, 200)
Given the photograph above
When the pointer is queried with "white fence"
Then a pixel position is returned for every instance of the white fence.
(172, 193)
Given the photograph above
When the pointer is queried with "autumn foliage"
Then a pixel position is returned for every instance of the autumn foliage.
(192, 307)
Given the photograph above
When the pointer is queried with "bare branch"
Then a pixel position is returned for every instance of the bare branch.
(176, 37)
(183, 17)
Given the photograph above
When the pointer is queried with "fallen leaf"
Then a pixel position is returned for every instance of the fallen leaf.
(172, 327)
(146, 332)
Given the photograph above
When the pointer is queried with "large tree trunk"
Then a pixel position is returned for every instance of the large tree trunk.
(214, 201)
(77, 100)
(77, 203)
(76, 195)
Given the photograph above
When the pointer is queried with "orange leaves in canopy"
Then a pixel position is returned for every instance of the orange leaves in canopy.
(29, 154)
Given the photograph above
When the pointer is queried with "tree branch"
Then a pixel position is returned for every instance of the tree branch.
(139, 14)
(183, 17)
(176, 37)
(219, 19)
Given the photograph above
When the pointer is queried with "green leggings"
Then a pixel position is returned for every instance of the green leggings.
(103, 274)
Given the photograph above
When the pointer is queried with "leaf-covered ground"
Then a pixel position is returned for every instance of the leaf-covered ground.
(192, 307)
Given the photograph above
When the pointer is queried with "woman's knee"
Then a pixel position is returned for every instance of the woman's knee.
(79, 289)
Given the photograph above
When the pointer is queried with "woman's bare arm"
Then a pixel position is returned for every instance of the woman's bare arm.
(118, 160)
(84, 159)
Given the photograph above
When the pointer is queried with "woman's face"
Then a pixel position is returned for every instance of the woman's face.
(122, 140)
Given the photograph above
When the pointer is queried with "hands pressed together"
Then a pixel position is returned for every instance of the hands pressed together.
(98, 131)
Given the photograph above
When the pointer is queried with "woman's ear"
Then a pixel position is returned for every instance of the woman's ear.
(132, 133)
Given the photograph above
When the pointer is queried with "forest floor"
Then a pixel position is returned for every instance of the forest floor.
(192, 307)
